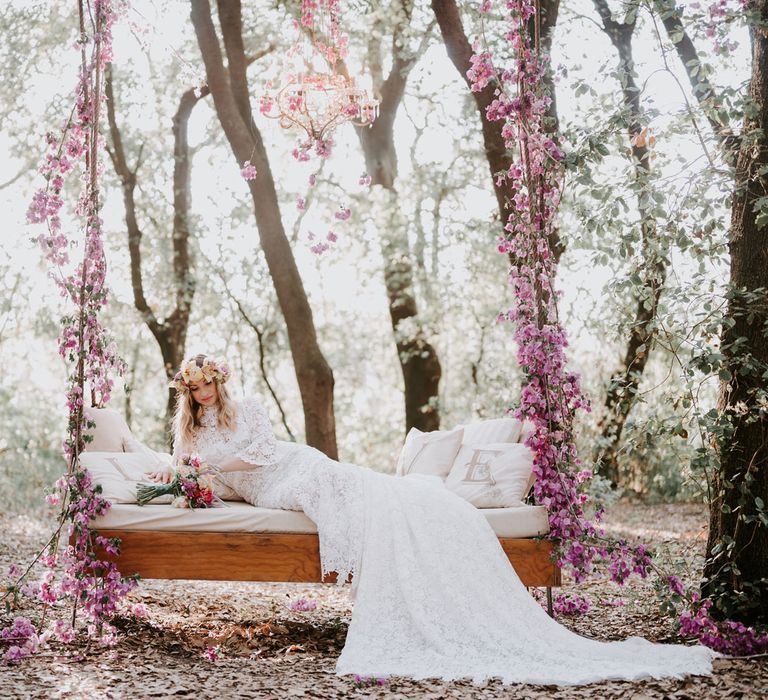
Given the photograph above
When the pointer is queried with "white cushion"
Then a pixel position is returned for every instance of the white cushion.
(523, 521)
(518, 521)
(430, 453)
(119, 473)
(111, 433)
(494, 475)
(495, 430)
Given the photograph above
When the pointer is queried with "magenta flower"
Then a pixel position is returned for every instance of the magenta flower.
(343, 214)
(248, 171)
(368, 681)
(303, 605)
(323, 147)
(16, 653)
(570, 604)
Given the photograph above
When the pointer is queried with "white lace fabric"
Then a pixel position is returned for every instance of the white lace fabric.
(436, 597)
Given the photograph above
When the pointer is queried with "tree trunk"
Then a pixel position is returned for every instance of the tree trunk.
(459, 51)
(736, 572)
(171, 334)
(624, 383)
(229, 88)
(418, 358)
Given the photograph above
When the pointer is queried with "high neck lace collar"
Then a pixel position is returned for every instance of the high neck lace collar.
(210, 416)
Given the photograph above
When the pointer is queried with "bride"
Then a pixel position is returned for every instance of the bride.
(435, 595)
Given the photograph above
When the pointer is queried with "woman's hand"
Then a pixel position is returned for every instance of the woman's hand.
(163, 476)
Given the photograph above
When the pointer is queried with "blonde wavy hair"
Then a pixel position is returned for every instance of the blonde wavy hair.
(189, 412)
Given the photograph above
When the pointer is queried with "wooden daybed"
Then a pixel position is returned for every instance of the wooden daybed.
(245, 543)
(160, 549)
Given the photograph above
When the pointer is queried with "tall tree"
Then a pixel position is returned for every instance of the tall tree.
(230, 92)
(170, 333)
(419, 361)
(736, 572)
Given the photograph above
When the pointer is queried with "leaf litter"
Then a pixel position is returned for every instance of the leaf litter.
(266, 649)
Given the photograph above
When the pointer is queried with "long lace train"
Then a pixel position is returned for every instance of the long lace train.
(435, 595)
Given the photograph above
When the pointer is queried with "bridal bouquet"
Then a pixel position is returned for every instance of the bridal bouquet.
(192, 486)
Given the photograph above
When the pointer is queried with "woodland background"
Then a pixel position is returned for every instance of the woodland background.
(396, 324)
(414, 277)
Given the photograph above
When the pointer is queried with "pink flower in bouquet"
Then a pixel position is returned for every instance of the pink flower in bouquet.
(323, 147)
(191, 486)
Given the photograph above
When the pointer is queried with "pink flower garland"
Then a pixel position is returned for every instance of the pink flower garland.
(551, 395)
(93, 584)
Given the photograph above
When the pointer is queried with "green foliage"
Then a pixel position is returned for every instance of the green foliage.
(30, 446)
(450, 221)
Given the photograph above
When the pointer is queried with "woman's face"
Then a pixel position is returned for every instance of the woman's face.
(206, 394)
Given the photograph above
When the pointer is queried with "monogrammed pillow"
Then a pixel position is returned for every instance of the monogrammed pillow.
(493, 430)
(491, 475)
(429, 453)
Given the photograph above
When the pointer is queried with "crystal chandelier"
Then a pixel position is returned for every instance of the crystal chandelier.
(309, 92)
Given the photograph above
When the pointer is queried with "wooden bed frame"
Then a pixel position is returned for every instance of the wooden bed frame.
(289, 557)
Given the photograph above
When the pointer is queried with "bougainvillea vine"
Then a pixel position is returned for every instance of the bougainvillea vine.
(551, 395)
(76, 571)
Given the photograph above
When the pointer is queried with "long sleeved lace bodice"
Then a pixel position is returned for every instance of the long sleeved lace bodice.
(252, 439)
(435, 594)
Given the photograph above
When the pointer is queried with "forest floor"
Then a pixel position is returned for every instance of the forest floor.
(266, 650)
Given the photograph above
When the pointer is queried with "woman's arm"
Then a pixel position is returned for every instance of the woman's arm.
(164, 474)
(235, 464)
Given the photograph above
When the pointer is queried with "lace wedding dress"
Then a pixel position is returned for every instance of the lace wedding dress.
(435, 595)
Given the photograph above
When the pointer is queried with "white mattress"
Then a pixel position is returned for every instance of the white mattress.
(521, 521)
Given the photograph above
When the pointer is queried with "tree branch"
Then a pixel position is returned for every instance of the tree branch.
(128, 181)
(262, 363)
(230, 18)
(703, 90)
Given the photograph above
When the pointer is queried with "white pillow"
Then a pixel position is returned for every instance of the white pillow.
(495, 430)
(429, 453)
(494, 475)
(110, 432)
(120, 472)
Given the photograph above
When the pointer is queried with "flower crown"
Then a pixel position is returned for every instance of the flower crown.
(197, 370)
